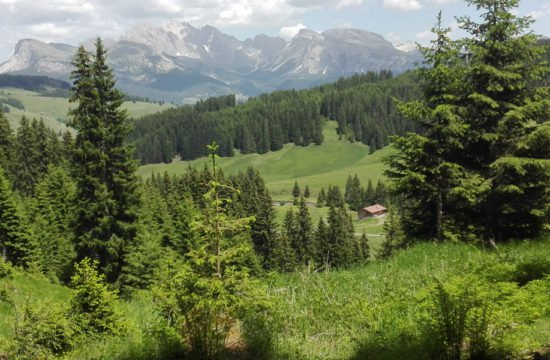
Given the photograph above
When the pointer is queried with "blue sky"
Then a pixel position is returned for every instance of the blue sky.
(73, 21)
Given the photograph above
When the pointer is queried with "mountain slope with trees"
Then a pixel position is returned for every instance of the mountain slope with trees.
(269, 121)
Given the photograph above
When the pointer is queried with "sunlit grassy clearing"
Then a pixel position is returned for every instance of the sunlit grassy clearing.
(54, 110)
(315, 166)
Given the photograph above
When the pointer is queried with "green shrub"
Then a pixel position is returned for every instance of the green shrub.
(93, 306)
(39, 332)
(532, 269)
(6, 270)
(459, 314)
(260, 322)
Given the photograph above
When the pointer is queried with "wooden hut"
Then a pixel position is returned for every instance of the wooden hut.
(371, 211)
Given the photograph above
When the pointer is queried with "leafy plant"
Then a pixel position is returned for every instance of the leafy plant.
(459, 314)
(6, 270)
(39, 330)
(93, 305)
(206, 297)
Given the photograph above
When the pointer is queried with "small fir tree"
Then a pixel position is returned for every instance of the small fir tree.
(307, 194)
(208, 294)
(321, 198)
(93, 306)
(296, 190)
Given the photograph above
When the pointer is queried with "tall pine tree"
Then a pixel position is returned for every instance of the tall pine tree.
(13, 242)
(475, 172)
(6, 144)
(106, 194)
(503, 109)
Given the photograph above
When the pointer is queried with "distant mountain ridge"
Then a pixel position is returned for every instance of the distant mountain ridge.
(178, 60)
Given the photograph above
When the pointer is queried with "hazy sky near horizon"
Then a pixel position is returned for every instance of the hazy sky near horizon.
(74, 21)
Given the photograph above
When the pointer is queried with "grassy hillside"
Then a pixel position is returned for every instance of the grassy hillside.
(315, 166)
(385, 310)
(54, 109)
(381, 310)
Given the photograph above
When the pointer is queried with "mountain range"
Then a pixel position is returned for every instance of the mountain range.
(177, 61)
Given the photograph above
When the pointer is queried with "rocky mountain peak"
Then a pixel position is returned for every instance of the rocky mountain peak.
(203, 61)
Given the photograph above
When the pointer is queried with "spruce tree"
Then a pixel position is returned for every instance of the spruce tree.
(106, 194)
(26, 173)
(51, 214)
(255, 200)
(504, 107)
(320, 239)
(334, 197)
(290, 230)
(283, 256)
(296, 190)
(363, 248)
(348, 191)
(423, 170)
(305, 249)
(368, 194)
(354, 193)
(469, 170)
(11, 236)
(340, 239)
(307, 193)
(393, 235)
(6, 145)
(321, 198)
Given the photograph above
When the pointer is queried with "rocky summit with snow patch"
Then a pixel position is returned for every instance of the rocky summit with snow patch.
(177, 60)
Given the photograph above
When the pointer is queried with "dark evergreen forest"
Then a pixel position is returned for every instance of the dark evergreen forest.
(362, 105)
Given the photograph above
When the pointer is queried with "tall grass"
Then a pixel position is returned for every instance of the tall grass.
(383, 310)
(378, 311)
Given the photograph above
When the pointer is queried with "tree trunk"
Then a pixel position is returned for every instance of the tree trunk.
(439, 217)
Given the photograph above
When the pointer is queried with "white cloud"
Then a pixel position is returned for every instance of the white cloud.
(349, 3)
(170, 6)
(541, 12)
(394, 38)
(424, 37)
(403, 5)
(50, 30)
(441, 2)
(288, 32)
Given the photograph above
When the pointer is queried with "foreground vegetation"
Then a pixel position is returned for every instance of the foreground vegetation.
(426, 302)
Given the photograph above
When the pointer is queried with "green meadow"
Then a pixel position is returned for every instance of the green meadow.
(315, 165)
(53, 110)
